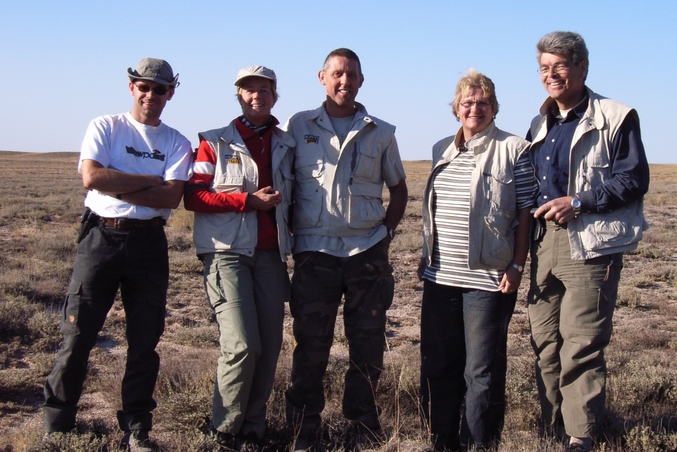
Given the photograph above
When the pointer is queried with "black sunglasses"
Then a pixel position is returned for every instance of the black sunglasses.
(160, 90)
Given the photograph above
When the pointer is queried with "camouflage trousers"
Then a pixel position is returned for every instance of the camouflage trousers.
(319, 283)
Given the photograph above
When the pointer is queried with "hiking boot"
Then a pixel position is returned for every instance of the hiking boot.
(579, 445)
(224, 440)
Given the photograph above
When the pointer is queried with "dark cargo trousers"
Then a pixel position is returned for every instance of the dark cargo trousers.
(136, 262)
(319, 282)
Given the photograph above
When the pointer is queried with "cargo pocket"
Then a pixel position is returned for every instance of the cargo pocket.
(388, 286)
(309, 193)
(229, 184)
(367, 165)
(365, 206)
(71, 309)
(498, 240)
(596, 168)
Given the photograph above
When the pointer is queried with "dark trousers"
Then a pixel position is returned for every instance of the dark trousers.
(319, 282)
(464, 335)
(136, 262)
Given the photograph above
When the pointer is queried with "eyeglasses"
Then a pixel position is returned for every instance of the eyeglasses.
(160, 90)
(479, 103)
(557, 68)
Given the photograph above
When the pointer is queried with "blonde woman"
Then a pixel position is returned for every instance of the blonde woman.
(476, 237)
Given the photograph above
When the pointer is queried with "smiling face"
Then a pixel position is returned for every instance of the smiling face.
(342, 79)
(563, 79)
(256, 99)
(475, 112)
(148, 105)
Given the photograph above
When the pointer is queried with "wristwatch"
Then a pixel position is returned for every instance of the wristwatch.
(519, 268)
(391, 233)
(576, 204)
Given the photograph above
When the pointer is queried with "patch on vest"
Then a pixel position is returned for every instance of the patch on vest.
(233, 159)
(308, 138)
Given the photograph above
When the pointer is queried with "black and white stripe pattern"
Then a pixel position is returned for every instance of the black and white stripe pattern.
(451, 203)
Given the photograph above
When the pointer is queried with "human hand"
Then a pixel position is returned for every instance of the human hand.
(263, 199)
(558, 210)
(511, 280)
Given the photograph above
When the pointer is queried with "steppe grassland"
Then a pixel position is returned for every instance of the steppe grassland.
(40, 202)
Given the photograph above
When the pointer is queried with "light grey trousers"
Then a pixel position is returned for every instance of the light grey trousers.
(248, 295)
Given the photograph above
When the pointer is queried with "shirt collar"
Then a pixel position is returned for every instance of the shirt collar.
(261, 130)
(578, 111)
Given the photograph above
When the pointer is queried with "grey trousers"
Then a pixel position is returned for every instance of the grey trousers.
(248, 295)
(571, 305)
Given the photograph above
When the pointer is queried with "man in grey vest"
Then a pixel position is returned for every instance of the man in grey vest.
(593, 174)
(342, 232)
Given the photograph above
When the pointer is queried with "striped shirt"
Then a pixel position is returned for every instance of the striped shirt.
(451, 204)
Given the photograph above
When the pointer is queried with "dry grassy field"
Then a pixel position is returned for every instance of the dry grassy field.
(40, 202)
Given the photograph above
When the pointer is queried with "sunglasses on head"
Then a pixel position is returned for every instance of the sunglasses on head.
(160, 90)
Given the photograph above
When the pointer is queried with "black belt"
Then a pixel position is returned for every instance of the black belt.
(131, 223)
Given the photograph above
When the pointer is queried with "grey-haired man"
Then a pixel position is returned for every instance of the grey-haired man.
(135, 168)
(593, 174)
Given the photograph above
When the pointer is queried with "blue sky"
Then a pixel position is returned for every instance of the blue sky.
(64, 62)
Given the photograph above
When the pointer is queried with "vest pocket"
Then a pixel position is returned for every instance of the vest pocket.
(307, 207)
(497, 240)
(602, 232)
(502, 193)
(308, 167)
(365, 211)
(229, 184)
(309, 193)
(230, 230)
(367, 165)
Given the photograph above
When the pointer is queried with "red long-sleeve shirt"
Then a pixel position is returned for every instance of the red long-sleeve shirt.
(199, 197)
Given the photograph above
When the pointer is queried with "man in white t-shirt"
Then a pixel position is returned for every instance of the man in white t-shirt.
(135, 168)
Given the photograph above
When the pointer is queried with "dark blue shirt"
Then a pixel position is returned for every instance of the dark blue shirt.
(629, 168)
(552, 162)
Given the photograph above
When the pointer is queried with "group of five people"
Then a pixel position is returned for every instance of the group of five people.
(572, 194)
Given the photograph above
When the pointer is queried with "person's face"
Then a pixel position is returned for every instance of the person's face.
(148, 104)
(562, 79)
(256, 99)
(475, 112)
(342, 80)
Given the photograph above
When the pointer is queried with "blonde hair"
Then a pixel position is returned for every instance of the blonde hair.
(471, 80)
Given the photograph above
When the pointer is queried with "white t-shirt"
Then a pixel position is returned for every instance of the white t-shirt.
(120, 142)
